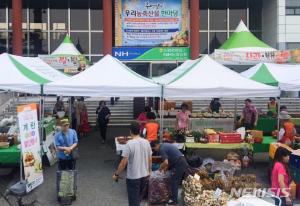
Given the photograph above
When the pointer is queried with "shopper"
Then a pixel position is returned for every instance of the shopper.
(249, 116)
(272, 106)
(280, 177)
(137, 157)
(103, 115)
(175, 161)
(215, 106)
(151, 128)
(84, 125)
(80, 105)
(142, 118)
(59, 106)
(66, 141)
(183, 118)
(73, 114)
(283, 108)
(287, 131)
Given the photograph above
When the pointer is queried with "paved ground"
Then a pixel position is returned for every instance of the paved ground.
(96, 165)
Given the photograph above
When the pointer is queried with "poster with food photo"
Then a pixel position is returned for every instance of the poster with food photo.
(30, 145)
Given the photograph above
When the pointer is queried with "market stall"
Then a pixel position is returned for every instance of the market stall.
(274, 74)
(223, 124)
(66, 58)
(10, 156)
(26, 74)
(116, 80)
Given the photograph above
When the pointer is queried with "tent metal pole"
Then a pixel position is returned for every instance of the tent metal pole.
(278, 120)
(235, 110)
(161, 113)
(70, 111)
(41, 112)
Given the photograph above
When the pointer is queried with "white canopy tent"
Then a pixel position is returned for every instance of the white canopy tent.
(107, 78)
(293, 86)
(207, 78)
(66, 48)
(26, 74)
(167, 78)
(283, 75)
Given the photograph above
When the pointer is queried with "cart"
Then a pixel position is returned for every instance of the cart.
(66, 186)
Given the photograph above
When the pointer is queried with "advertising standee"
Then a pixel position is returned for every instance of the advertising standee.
(30, 145)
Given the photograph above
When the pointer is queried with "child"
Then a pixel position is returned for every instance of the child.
(280, 177)
(151, 127)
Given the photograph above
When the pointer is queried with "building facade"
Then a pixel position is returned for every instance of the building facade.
(32, 27)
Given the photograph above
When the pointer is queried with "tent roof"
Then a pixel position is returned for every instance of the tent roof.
(207, 78)
(274, 74)
(25, 74)
(107, 78)
(243, 40)
(167, 78)
(66, 48)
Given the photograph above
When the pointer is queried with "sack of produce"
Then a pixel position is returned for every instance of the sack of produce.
(159, 187)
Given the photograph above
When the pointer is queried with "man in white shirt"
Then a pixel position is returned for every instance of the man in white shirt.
(137, 157)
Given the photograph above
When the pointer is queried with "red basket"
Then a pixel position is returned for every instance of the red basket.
(228, 138)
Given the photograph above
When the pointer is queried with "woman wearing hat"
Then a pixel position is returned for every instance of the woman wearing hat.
(287, 131)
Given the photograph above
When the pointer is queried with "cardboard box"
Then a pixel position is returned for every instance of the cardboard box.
(230, 138)
(257, 134)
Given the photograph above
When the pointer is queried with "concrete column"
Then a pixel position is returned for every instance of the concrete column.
(107, 27)
(17, 42)
(194, 28)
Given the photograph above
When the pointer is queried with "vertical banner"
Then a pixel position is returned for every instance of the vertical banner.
(30, 144)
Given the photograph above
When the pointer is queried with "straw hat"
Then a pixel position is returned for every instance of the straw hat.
(64, 122)
(284, 115)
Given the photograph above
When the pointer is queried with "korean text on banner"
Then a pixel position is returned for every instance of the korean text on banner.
(30, 144)
(151, 23)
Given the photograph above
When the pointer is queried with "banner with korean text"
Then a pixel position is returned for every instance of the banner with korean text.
(151, 23)
(30, 145)
(255, 57)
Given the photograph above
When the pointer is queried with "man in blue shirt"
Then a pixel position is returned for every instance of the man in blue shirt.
(66, 141)
(175, 161)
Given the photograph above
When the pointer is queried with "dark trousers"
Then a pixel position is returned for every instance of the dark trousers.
(135, 189)
(283, 201)
(103, 130)
(66, 164)
(249, 126)
(177, 174)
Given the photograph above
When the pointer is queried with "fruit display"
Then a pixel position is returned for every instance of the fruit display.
(205, 114)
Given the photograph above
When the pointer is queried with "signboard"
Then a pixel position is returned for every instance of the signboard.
(30, 144)
(251, 58)
(49, 147)
(66, 64)
(151, 23)
(158, 53)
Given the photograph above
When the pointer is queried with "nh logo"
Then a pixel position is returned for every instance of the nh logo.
(121, 54)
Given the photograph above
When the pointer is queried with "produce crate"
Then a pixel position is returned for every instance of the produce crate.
(257, 134)
(230, 138)
(213, 138)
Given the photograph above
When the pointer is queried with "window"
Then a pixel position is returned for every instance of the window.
(293, 45)
(203, 42)
(79, 15)
(292, 7)
(161, 69)
(218, 14)
(237, 12)
(216, 40)
(3, 39)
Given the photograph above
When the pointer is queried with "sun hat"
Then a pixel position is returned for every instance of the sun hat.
(284, 115)
(64, 122)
